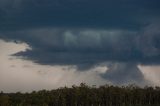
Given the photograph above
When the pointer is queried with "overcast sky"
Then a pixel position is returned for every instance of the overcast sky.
(46, 44)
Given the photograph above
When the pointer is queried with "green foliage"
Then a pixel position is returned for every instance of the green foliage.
(4, 100)
(84, 95)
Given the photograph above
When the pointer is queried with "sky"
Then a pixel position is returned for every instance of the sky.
(46, 44)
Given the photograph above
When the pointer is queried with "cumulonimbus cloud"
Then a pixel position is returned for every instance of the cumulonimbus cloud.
(86, 33)
(124, 50)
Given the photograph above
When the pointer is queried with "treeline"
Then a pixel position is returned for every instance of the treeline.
(84, 95)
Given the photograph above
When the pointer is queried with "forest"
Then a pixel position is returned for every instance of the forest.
(84, 95)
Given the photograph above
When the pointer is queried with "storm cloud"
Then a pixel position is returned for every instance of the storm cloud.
(111, 14)
(85, 33)
(66, 46)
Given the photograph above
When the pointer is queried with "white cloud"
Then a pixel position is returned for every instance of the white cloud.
(151, 73)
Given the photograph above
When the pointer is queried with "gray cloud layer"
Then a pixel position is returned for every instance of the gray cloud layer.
(86, 33)
(119, 14)
(124, 73)
(69, 46)
(87, 48)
